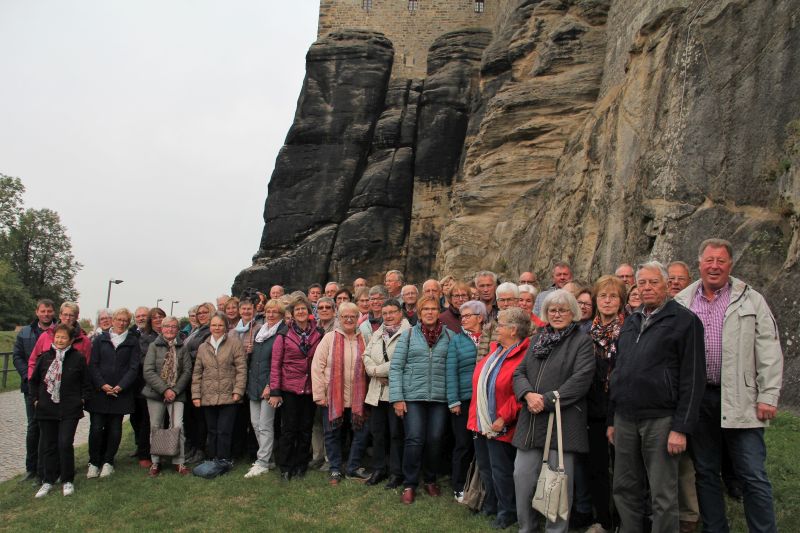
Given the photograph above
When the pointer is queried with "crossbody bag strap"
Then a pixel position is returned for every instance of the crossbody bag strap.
(546, 451)
(558, 433)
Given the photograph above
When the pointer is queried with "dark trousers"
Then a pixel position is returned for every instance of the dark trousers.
(383, 420)
(140, 422)
(194, 427)
(58, 455)
(105, 433)
(334, 438)
(424, 423)
(464, 450)
(598, 468)
(219, 421)
(297, 420)
(748, 453)
(244, 440)
(496, 465)
(32, 439)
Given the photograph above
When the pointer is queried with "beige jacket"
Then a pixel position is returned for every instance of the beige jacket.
(376, 366)
(321, 366)
(752, 359)
(217, 377)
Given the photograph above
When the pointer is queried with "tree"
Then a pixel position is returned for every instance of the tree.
(39, 250)
(11, 190)
(16, 304)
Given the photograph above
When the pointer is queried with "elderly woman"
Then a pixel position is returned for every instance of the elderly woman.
(417, 388)
(231, 310)
(377, 295)
(339, 383)
(140, 418)
(113, 367)
(493, 414)
(446, 283)
(586, 305)
(218, 383)
(608, 293)
(343, 295)
(559, 364)
(377, 359)
(326, 314)
(59, 387)
(462, 354)
(527, 298)
(361, 299)
(262, 414)
(632, 301)
(290, 388)
(167, 375)
(103, 323)
(194, 419)
(188, 328)
(247, 326)
(451, 317)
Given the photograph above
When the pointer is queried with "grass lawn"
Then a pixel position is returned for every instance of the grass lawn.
(6, 345)
(130, 501)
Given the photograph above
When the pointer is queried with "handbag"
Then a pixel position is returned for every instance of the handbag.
(474, 491)
(166, 442)
(552, 497)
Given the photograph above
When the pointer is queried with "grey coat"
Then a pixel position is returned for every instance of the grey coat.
(155, 387)
(568, 369)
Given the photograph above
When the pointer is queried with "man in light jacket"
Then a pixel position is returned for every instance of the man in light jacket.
(744, 372)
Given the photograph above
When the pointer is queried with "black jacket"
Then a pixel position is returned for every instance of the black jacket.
(660, 369)
(118, 366)
(75, 386)
(23, 346)
(258, 372)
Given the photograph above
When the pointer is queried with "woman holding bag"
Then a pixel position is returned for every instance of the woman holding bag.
(559, 363)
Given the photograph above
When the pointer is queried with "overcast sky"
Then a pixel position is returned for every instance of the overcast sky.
(152, 128)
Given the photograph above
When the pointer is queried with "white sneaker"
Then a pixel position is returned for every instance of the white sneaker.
(596, 528)
(256, 470)
(458, 495)
(69, 489)
(93, 472)
(107, 470)
(43, 490)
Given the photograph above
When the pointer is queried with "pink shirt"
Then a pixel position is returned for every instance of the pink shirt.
(712, 314)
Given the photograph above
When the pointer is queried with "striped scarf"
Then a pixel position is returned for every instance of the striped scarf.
(336, 385)
(486, 410)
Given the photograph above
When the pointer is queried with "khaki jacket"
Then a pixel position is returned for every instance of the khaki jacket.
(752, 359)
(217, 377)
(376, 366)
(321, 366)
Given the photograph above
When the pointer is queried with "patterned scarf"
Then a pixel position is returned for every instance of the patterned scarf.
(169, 371)
(389, 331)
(52, 379)
(305, 335)
(604, 339)
(486, 410)
(548, 338)
(336, 385)
(475, 336)
(432, 334)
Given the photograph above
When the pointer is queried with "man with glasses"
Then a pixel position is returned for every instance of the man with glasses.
(393, 282)
(656, 387)
(679, 277)
(409, 305)
(528, 278)
(625, 273)
(506, 296)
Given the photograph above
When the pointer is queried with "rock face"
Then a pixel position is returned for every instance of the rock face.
(594, 131)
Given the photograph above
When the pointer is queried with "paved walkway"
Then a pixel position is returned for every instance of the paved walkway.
(12, 434)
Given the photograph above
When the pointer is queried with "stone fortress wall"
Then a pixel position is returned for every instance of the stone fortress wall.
(412, 26)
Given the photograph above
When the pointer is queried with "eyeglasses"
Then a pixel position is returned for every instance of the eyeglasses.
(558, 312)
(459, 296)
(505, 300)
(324, 308)
(585, 304)
(429, 309)
(526, 282)
(348, 318)
(464, 317)
(170, 326)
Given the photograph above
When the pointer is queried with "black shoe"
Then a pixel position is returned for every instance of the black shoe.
(394, 482)
(29, 476)
(502, 522)
(359, 474)
(376, 477)
(286, 476)
(487, 512)
(299, 473)
(580, 520)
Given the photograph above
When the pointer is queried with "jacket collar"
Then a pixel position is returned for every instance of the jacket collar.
(687, 295)
(161, 341)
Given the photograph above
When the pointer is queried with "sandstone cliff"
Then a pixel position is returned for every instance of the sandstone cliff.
(593, 131)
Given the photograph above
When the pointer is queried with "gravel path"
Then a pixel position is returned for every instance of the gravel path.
(12, 434)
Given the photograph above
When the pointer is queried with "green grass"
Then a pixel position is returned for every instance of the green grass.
(6, 345)
(130, 501)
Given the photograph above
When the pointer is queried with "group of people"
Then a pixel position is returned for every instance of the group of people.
(660, 382)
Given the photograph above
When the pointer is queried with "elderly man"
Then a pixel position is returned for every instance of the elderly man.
(625, 273)
(433, 289)
(409, 305)
(140, 319)
(656, 386)
(486, 283)
(393, 281)
(562, 274)
(23, 346)
(331, 288)
(679, 277)
(506, 296)
(222, 299)
(744, 372)
(276, 291)
(528, 278)
(359, 283)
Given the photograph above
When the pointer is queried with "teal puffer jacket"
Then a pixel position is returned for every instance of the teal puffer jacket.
(462, 354)
(417, 372)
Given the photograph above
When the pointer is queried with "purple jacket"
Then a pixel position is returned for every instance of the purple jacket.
(291, 368)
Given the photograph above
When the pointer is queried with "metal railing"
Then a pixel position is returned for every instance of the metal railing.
(6, 369)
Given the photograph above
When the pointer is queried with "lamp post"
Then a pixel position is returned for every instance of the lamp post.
(108, 294)
(171, 305)
(159, 301)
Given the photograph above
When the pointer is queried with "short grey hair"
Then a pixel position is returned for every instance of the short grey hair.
(347, 306)
(170, 319)
(561, 297)
(326, 299)
(678, 263)
(530, 289)
(653, 265)
(507, 287)
(193, 309)
(485, 273)
(332, 283)
(379, 289)
(102, 312)
(715, 243)
(515, 317)
(476, 307)
(400, 277)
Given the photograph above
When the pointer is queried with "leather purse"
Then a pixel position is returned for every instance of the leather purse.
(474, 491)
(552, 490)
(166, 442)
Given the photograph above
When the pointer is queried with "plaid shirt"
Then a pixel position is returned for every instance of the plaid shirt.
(712, 314)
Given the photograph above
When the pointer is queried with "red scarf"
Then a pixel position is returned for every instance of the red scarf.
(336, 385)
(432, 334)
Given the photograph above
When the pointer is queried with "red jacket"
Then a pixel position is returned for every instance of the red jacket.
(290, 368)
(45, 342)
(506, 403)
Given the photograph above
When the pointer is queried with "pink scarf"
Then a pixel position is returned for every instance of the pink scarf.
(336, 385)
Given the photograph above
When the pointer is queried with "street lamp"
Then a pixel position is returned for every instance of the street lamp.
(171, 305)
(108, 294)
(159, 301)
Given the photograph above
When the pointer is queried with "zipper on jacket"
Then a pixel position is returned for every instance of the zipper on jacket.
(532, 425)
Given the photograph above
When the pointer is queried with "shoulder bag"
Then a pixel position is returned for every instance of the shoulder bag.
(552, 497)
(166, 442)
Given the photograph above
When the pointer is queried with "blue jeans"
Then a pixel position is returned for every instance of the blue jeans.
(334, 437)
(424, 423)
(748, 453)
